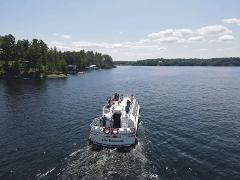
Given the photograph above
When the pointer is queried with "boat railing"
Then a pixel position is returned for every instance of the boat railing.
(96, 122)
(106, 110)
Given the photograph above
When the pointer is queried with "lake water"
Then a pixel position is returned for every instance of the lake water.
(190, 125)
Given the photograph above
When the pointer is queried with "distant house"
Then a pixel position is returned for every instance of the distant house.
(72, 69)
(92, 67)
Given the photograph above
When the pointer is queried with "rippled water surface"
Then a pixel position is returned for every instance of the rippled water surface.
(190, 125)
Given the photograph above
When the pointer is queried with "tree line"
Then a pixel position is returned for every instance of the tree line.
(229, 61)
(32, 58)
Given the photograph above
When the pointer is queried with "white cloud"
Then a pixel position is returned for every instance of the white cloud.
(171, 33)
(170, 39)
(226, 38)
(104, 45)
(232, 21)
(39, 35)
(212, 41)
(190, 35)
(214, 30)
(203, 49)
(162, 34)
(60, 46)
(156, 44)
(162, 48)
(183, 32)
(65, 36)
(92, 45)
(196, 38)
(56, 43)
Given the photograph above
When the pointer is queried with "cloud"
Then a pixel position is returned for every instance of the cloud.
(155, 41)
(196, 38)
(170, 39)
(39, 35)
(60, 45)
(65, 36)
(171, 33)
(189, 35)
(214, 30)
(226, 38)
(203, 49)
(56, 43)
(232, 21)
(155, 44)
(162, 48)
(92, 45)
(122, 45)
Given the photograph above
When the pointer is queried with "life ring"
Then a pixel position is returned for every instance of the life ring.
(115, 131)
(106, 130)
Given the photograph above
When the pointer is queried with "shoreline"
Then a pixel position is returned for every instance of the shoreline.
(48, 76)
(56, 75)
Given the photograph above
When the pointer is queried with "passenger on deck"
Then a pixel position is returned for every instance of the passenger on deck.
(128, 103)
(104, 121)
(109, 103)
(127, 109)
(121, 98)
(115, 96)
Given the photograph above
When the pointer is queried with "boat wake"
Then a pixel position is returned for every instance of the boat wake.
(89, 163)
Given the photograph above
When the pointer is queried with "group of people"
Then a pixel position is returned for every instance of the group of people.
(115, 98)
(119, 99)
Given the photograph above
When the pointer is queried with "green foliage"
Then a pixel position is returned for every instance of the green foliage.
(15, 69)
(24, 57)
(62, 65)
(124, 63)
(7, 47)
(232, 61)
(107, 61)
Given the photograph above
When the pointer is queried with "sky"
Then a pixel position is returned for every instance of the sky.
(129, 29)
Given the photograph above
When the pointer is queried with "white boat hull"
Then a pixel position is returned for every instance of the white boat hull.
(116, 142)
(122, 136)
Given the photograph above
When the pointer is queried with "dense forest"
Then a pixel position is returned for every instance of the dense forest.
(231, 61)
(23, 58)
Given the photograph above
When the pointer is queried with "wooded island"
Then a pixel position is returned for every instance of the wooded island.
(23, 58)
(229, 61)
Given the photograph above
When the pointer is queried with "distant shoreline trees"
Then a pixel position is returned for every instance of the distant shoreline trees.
(229, 61)
(25, 58)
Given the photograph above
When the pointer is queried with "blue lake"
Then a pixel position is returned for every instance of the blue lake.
(190, 125)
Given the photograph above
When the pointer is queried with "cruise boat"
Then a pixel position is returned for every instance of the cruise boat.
(118, 125)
